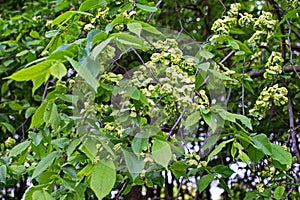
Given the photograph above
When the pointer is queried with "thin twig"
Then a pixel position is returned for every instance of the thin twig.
(176, 123)
(182, 29)
(291, 190)
(292, 129)
(243, 89)
(144, 64)
(133, 6)
(290, 47)
(152, 13)
(228, 96)
(223, 7)
(45, 91)
(203, 83)
(179, 188)
(228, 56)
(121, 190)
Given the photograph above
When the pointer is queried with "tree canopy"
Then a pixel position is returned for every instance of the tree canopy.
(137, 99)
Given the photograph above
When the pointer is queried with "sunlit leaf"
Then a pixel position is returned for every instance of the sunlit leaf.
(103, 178)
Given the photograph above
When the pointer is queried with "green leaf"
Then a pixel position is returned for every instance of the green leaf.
(41, 195)
(34, 34)
(99, 37)
(133, 163)
(3, 172)
(71, 148)
(103, 178)
(29, 112)
(149, 28)
(126, 40)
(281, 155)
(218, 149)
(206, 54)
(179, 169)
(63, 18)
(90, 4)
(233, 44)
(60, 142)
(31, 72)
(29, 192)
(38, 117)
(254, 154)
(209, 120)
(37, 82)
(204, 182)
(161, 152)
(89, 147)
(146, 8)
(219, 75)
(233, 117)
(133, 92)
(22, 53)
(9, 127)
(139, 143)
(51, 33)
(290, 14)
(45, 163)
(251, 195)
(19, 148)
(58, 70)
(244, 157)
(243, 47)
(135, 28)
(85, 73)
(261, 142)
(193, 119)
(278, 193)
(99, 48)
(225, 171)
(51, 116)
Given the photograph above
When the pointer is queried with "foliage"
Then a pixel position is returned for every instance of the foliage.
(111, 99)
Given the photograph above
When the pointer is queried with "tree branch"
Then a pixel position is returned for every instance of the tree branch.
(151, 14)
(292, 129)
(259, 73)
(176, 123)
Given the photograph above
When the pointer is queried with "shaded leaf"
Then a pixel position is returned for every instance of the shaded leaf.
(204, 182)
